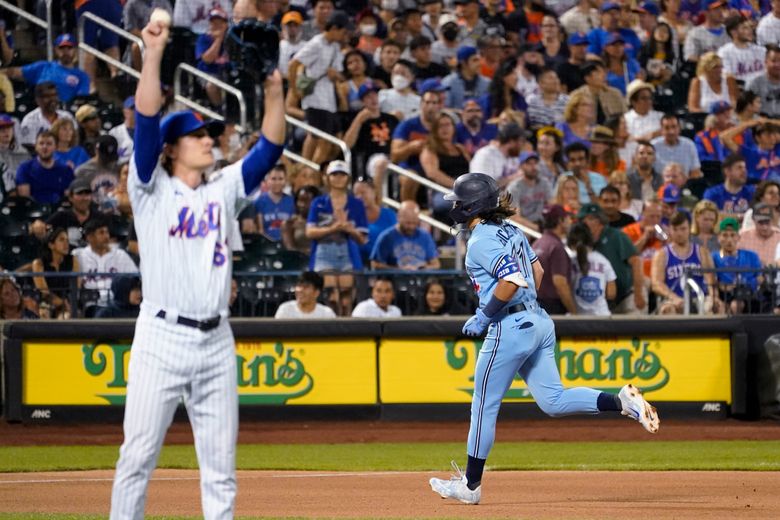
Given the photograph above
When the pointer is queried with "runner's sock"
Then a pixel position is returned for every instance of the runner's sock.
(609, 402)
(474, 469)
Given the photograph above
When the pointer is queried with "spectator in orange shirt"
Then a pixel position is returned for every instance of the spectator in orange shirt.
(604, 157)
(644, 235)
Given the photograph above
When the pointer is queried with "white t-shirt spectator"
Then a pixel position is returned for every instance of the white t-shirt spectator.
(744, 64)
(369, 309)
(35, 122)
(642, 125)
(590, 291)
(114, 261)
(317, 56)
(491, 161)
(287, 50)
(392, 101)
(768, 30)
(290, 310)
(194, 14)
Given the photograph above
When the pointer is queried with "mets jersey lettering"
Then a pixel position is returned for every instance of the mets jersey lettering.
(209, 221)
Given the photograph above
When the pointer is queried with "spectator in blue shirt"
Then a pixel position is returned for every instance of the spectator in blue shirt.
(211, 54)
(68, 150)
(621, 68)
(763, 157)
(707, 141)
(732, 196)
(473, 132)
(738, 290)
(405, 246)
(274, 206)
(466, 81)
(43, 179)
(610, 19)
(379, 217)
(64, 73)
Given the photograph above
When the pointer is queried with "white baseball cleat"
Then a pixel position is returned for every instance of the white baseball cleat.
(456, 487)
(635, 406)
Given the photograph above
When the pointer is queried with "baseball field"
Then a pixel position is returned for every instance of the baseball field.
(551, 469)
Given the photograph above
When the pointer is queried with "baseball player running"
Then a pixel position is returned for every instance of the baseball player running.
(521, 336)
(183, 346)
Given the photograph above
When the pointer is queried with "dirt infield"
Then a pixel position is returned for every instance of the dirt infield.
(307, 432)
(526, 494)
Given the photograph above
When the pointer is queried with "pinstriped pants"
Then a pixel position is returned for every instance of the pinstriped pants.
(168, 363)
(522, 343)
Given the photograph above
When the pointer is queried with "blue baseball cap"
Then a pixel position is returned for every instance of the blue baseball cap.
(527, 156)
(671, 194)
(464, 53)
(65, 40)
(648, 8)
(178, 124)
(718, 107)
(578, 39)
(129, 102)
(6, 120)
(614, 38)
(432, 85)
(609, 6)
(366, 88)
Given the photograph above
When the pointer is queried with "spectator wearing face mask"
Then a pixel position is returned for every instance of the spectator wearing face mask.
(400, 100)
(444, 50)
(368, 25)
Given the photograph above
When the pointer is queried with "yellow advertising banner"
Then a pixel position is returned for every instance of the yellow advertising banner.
(295, 372)
(666, 369)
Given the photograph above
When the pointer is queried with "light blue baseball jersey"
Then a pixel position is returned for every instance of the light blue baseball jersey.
(500, 251)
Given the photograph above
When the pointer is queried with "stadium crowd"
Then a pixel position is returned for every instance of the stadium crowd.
(643, 136)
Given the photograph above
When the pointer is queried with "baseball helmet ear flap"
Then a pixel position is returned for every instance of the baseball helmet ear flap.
(472, 194)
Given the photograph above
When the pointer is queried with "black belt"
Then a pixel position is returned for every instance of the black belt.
(520, 307)
(204, 325)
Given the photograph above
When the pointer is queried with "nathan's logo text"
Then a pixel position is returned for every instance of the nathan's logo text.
(265, 378)
(608, 367)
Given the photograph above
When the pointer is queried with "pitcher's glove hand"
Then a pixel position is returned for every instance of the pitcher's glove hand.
(476, 325)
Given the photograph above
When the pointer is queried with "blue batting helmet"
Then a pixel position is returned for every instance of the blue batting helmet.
(472, 194)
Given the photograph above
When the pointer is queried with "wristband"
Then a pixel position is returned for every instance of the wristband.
(493, 306)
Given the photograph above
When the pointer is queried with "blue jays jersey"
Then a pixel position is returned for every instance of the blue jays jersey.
(500, 252)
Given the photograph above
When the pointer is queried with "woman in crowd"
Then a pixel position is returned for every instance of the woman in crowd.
(294, 229)
(56, 257)
(604, 157)
(626, 147)
(621, 68)
(767, 192)
(356, 74)
(670, 14)
(628, 205)
(578, 117)
(593, 275)
(546, 107)
(68, 150)
(501, 93)
(747, 109)
(337, 227)
(434, 301)
(549, 146)
(567, 193)
(442, 159)
(379, 217)
(658, 56)
(705, 216)
(12, 154)
(11, 303)
(711, 84)
(553, 46)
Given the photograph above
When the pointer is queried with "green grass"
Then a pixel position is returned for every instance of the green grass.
(657, 455)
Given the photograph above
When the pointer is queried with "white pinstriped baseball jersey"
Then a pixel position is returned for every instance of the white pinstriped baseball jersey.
(183, 233)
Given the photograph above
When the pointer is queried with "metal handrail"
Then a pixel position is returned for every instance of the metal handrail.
(184, 67)
(322, 135)
(44, 24)
(301, 159)
(417, 178)
(106, 25)
(690, 285)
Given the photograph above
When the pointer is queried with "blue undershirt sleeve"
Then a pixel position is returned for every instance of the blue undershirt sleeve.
(258, 162)
(147, 145)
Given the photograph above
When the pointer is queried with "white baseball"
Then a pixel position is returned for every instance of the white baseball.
(160, 16)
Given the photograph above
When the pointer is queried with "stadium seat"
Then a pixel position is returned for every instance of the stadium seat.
(18, 251)
(180, 49)
(119, 227)
(692, 123)
(78, 101)
(712, 171)
(288, 261)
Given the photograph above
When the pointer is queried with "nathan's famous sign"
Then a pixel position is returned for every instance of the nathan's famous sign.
(669, 369)
(268, 372)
